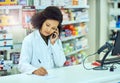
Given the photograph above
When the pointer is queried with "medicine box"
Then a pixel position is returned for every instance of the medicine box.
(6, 42)
(6, 36)
(8, 2)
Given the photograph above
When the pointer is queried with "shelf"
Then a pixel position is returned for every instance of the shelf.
(113, 1)
(85, 6)
(117, 11)
(73, 22)
(68, 7)
(114, 28)
(68, 54)
(6, 47)
(71, 37)
(40, 7)
(11, 7)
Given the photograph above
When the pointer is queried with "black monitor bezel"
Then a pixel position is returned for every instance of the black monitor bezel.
(116, 49)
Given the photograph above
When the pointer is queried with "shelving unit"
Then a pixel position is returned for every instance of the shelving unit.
(13, 17)
(113, 13)
(76, 51)
(77, 38)
(11, 22)
(114, 17)
(70, 38)
(73, 22)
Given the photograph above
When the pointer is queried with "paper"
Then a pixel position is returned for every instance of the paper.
(50, 75)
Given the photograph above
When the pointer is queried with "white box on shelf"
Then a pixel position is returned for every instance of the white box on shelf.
(5, 36)
(6, 42)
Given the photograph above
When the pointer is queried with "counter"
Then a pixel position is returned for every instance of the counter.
(71, 74)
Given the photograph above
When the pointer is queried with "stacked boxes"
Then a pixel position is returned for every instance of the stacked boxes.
(6, 41)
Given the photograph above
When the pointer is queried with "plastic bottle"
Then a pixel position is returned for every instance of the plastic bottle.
(1, 59)
(118, 23)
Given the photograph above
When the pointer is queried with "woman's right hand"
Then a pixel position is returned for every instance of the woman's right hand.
(40, 71)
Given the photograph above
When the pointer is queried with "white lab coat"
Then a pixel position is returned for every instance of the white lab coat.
(35, 53)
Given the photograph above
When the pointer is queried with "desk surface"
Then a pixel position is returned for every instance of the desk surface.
(71, 74)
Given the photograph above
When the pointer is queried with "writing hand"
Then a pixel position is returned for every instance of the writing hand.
(40, 71)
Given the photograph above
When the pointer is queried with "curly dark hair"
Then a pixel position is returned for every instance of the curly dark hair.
(51, 12)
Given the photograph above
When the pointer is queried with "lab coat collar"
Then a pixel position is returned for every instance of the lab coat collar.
(38, 36)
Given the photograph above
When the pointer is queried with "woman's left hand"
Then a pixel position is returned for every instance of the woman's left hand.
(54, 36)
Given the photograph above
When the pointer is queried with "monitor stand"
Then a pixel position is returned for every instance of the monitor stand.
(100, 68)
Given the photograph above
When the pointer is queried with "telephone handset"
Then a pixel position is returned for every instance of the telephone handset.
(54, 35)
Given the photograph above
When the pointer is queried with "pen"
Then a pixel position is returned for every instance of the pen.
(39, 61)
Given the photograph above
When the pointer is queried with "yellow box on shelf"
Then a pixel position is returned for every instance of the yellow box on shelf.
(8, 2)
(6, 20)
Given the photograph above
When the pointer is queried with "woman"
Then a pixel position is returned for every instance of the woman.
(42, 49)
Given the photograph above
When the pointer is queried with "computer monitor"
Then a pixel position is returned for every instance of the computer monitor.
(116, 49)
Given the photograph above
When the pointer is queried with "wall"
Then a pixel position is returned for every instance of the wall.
(98, 26)
(103, 22)
(92, 28)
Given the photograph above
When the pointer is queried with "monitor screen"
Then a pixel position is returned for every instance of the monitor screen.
(116, 49)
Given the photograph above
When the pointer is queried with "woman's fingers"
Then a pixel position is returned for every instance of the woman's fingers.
(41, 71)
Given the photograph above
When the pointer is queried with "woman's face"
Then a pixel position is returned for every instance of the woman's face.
(48, 27)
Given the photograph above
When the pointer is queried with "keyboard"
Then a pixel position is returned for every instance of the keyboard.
(110, 60)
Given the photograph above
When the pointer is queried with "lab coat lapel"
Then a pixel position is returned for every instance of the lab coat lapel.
(40, 39)
(43, 51)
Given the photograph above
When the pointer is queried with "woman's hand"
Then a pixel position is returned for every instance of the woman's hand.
(40, 71)
(54, 36)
